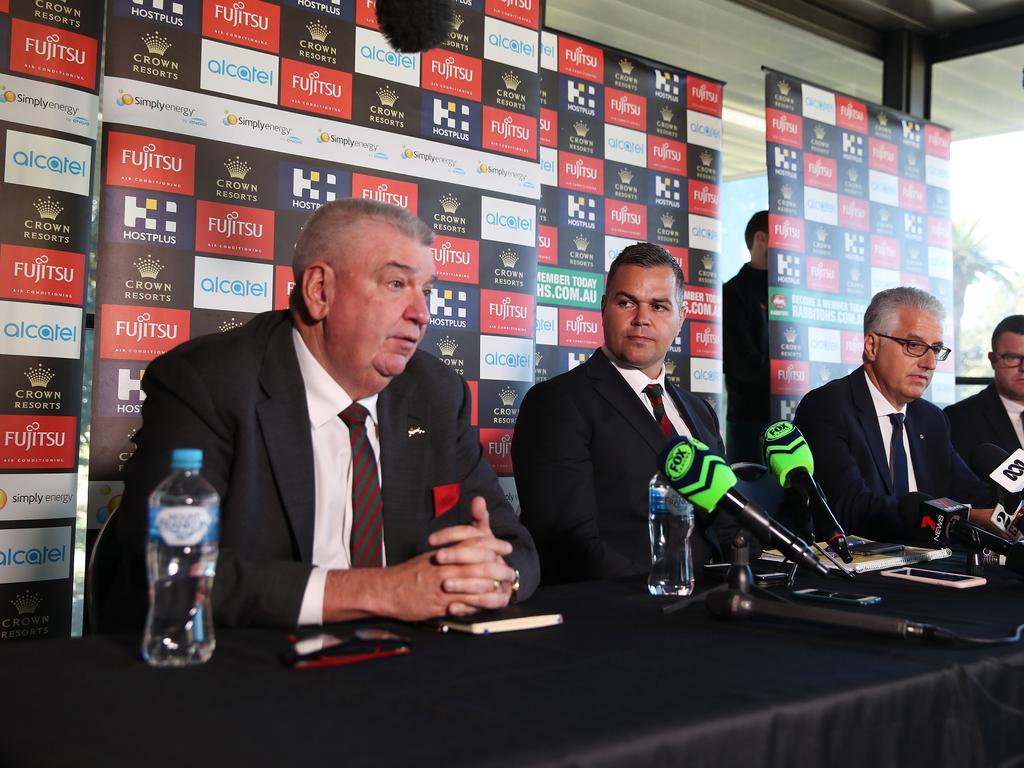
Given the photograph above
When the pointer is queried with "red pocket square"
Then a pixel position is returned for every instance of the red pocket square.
(446, 497)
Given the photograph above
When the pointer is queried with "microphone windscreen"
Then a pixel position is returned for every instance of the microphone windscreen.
(699, 475)
(910, 509)
(415, 25)
(985, 458)
(785, 450)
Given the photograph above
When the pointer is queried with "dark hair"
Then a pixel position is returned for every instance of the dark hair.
(648, 255)
(758, 223)
(1011, 324)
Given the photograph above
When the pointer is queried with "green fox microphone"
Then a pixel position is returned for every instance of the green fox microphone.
(706, 481)
(789, 458)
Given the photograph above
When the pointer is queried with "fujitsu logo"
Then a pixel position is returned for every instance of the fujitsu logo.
(664, 151)
(791, 374)
(938, 140)
(142, 328)
(786, 229)
(708, 337)
(823, 271)
(883, 152)
(507, 310)
(884, 251)
(40, 269)
(33, 436)
(312, 85)
(850, 112)
(913, 192)
(578, 56)
(580, 324)
(705, 94)
(384, 194)
(624, 105)
(580, 170)
(51, 48)
(508, 129)
(782, 124)
(706, 195)
(237, 16)
(820, 168)
(148, 158)
(230, 226)
(449, 70)
(623, 215)
(545, 124)
(446, 254)
(853, 210)
(523, 5)
(501, 447)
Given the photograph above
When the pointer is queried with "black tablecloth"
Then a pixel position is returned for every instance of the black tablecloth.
(619, 683)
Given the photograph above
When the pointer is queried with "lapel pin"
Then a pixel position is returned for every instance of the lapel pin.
(417, 431)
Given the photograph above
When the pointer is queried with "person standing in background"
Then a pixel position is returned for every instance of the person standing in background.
(745, 347)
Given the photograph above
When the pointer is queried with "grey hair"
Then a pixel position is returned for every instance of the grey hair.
(324, 234)
(880, 316)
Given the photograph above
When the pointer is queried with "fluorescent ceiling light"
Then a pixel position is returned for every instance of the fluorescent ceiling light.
(743, 119)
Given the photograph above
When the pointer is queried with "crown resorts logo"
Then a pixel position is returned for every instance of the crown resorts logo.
(148, 267)
(26, 603)
(819, 132)
(787, 191)
(508, 396)
(317, 31)
(668, 221)
(457, 21)
(449, 203)
(790, 334)
(229, 325)
(447, 346)
(39, 376)
(48, 208)
(670, 366)
(707, 261)
(581, 128)
(511, 81)
(626, 66)
(581, 242)
(625, 176)
(883, 119)
(237, 168)
(386, 113)
(509, 258)
(386, 96)
(156, 43)
(667, 114)
(852, 174)
(784, 88)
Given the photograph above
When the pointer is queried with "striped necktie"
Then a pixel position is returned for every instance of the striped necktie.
(366, 543)
(654, 392)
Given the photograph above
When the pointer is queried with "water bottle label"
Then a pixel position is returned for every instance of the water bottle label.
(183, 526)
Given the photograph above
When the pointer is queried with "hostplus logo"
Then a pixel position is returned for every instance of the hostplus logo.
(667, 191)
(451, 119)
(666, 85)
(449, 308)
(312, 187)
(581, 97)
(150, 220)
(165, 12)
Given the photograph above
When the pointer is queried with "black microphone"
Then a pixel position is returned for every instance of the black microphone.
(789, 457)
(725, 604)
(1005, 474)
(705, 480)
(415, 25)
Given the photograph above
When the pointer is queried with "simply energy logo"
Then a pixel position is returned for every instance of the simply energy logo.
(42, 161)
(239, 72)
(234, 286)
(29, 102)
(40, 330)
(37, 496)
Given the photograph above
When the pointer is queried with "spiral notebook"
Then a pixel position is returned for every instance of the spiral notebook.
(869, 563)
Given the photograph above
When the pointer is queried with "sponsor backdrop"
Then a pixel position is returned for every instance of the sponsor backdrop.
(227, 122)
(48, 114)
(858, 202)
(630, 151)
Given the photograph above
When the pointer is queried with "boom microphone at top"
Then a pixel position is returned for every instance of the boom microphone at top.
(415, 25)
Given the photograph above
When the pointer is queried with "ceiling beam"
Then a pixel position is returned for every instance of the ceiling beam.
(832, 26)
(978, 39)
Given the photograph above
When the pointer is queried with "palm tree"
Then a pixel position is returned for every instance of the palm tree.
(971, 261)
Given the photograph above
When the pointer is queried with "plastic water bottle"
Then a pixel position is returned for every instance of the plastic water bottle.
(181, 559)
(671, 523)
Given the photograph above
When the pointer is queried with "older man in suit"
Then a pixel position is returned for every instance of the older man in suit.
(996, 414)
(586, 442)
(874, 438)
(350, 479)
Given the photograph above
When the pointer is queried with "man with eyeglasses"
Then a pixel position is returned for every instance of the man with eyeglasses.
(996, 414)
(874, 438)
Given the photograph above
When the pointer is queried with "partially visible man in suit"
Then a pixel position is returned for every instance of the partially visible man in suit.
(874, 439)
(586, 442)
(351, 481)
(996, 414)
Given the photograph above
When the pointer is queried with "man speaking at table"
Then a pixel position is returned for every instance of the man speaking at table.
(586, 442)
(351, 482)
(874, 439)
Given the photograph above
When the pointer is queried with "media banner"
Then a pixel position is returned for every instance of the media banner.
(858, 202)
(49, 64)
(630, 151)
(227, 122)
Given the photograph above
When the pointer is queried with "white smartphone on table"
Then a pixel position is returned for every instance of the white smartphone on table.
(943, 579)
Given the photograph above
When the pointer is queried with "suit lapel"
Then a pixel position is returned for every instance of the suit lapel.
(868, 419)
(689, 416)
(284, 421)
(404, 422)
(609, 383)
(920, 440)
(999, 419)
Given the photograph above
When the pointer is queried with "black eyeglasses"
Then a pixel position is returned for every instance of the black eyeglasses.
(1009, 360)
(916, 348)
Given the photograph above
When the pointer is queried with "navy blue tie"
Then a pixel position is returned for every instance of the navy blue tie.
(900, 479)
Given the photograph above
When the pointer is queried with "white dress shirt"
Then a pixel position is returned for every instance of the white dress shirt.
(882, 409)
(637, 380)
(332, 464)
(1014, 410)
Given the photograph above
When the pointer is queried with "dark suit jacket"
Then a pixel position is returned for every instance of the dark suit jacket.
(240, 397)
(981, 418)
(584, 451)
(841, 427)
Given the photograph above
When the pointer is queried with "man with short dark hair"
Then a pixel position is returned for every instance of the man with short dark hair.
(873, 437)
(351, 482)
(745, 347)
(586, 442)
(996, 414)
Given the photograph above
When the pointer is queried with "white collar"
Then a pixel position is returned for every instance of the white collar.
(1012, 406)
(325, 398)
(882, 406)
(636, 378)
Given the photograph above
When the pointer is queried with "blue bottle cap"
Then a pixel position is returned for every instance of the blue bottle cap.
(186, 458)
